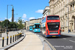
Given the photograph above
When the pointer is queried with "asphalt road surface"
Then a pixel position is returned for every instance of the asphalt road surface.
(61, 43)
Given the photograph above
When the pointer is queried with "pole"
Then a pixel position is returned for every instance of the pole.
(7, 40)
(3, 42)
(7, 11)
(7, 22)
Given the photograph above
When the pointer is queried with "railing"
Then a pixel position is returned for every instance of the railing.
(11, 29)
(11, 39)
(2, 30)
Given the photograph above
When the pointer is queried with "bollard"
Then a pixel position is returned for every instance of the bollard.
(13, 38)
(3, 42)
(17, 36)
(7, 40)
(21, 34)
(10, 39)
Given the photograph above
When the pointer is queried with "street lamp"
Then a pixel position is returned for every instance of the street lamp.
(7, 19)
(68, 18)
(7, 10)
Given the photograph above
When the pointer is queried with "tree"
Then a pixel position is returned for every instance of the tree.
(20, 20)
(6, 23)
(20, 25)
(13, 25)
(0, 24)
(10, 25)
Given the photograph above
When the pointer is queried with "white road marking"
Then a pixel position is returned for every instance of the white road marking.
(72, 41)
(65, 47)
(64, 38)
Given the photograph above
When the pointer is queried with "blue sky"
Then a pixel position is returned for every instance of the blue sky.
(27, 9)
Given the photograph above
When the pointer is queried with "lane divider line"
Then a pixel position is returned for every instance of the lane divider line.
(72, 41)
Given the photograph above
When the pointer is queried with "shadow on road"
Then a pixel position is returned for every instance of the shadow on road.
(62, 36)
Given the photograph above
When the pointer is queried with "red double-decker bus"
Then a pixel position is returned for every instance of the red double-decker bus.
(50, 26)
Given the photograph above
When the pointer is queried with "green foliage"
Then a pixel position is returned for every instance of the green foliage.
(13, 25)
(20, 20)
(0, 23)
(20, 25)
(5, 23)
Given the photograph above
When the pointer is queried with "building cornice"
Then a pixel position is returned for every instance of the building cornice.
(70, 3)
(45, 9)
(57, 1)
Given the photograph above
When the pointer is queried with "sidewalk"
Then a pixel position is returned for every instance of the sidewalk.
(31, 42)
(68, 34)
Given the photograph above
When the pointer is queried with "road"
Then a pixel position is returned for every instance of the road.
(62, 43)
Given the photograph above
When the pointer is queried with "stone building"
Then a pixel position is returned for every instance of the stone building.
(31, 22)
(27, 24)
(66, 10)
(46, 11)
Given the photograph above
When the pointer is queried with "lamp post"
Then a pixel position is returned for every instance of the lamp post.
(7, 19)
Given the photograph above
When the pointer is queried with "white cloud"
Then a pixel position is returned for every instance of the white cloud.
(10, 19)
(39, 11)
(5, 18)
(31, 18)
(24, 16)
(15, 21)
(24, 20)
(39, 17)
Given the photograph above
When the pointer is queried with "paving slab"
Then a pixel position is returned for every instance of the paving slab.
(31, 42)
(68, 34)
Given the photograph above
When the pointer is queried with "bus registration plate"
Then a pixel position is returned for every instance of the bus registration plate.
(53, 36)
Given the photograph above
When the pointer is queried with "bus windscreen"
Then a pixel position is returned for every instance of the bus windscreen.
(37, 26)
(53, 18)
(31, 27)
(53, 26)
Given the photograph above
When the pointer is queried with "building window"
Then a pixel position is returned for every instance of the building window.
(72, 7)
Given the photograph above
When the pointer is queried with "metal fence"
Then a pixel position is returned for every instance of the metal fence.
(11, 39)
